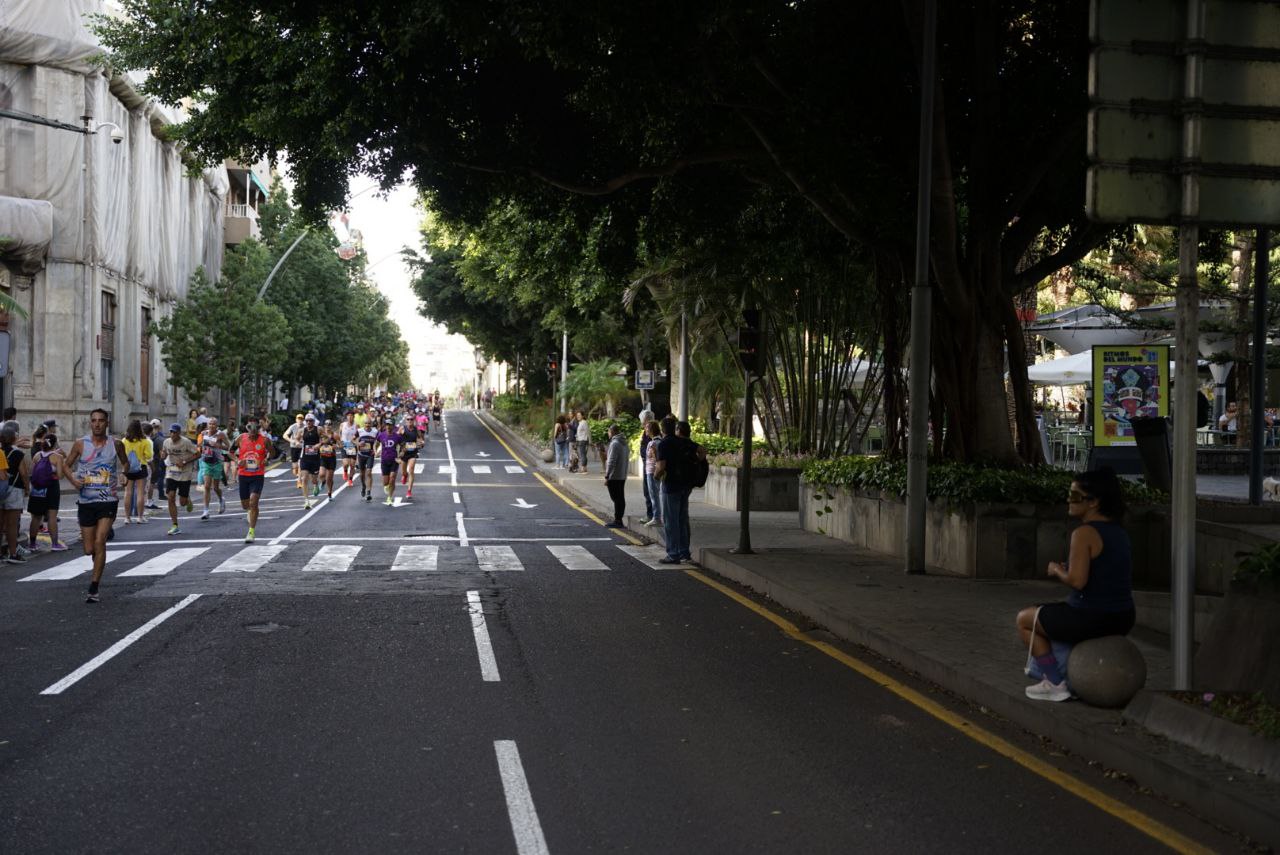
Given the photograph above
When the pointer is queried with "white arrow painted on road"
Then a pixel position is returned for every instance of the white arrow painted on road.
(521, 503)
(482, 454)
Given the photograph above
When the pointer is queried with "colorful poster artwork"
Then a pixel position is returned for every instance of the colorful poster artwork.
(1129, 382)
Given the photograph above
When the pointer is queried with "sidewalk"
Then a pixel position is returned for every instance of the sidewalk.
(955, 632)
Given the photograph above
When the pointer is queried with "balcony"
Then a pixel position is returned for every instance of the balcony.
(240, 224)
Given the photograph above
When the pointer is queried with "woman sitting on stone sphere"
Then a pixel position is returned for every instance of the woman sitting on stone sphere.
(1100, 572)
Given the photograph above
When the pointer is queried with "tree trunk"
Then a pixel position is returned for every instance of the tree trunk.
(1242, 274)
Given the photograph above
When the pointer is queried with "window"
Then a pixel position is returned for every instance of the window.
(107, 345)
(144, 360)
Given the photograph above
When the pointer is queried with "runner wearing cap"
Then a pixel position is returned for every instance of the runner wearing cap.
(347, 436)
(309, 459)
(329, 450)
(180, 455)
(95, 467)
(293, 434)
(213, 453)
(390, 440)
(252, 452)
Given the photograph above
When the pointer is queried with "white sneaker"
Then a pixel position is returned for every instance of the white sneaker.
(205, 515)
(1046, 691)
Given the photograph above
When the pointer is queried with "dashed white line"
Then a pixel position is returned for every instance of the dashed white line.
(484, 647)
(288, 531)
(457, 500)
(462, 530)
(112, 651)
(520, 809)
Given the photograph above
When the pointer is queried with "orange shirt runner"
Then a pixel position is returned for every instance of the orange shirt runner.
(252, 454)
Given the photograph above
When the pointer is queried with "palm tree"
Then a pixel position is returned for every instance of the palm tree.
(596, 384)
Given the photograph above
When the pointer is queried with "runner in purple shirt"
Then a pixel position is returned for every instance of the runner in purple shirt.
(389, 440)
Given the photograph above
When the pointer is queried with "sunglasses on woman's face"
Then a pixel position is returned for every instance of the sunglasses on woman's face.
(1076, 496)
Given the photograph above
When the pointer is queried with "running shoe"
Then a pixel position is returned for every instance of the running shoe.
(24, 551)
(1046, 691)
(330, 496)
(316, 491)
(58, 546)
(152, 506)
(409, 495)
(173, 529)
(15, 558)
(388, 501)
(205, 515)
(191, 508)
(248, 538)
(368, 497)
(128, 520)
(306, 506)
(92, 597)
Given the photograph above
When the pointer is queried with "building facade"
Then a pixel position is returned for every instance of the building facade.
(102, 224)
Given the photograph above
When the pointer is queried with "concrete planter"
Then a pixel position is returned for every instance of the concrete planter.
(984, 540)
(771, 489)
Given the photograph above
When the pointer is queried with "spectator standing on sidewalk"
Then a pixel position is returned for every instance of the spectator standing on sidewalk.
(45, 495)
(572, 433)
(649, 457)
(157, 464)
(560, 442)
(16, 500)
(584, 439)
(676, 457)
(615, 473)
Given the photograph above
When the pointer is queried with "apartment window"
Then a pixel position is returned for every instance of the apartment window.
(144, 359)
(107, 345)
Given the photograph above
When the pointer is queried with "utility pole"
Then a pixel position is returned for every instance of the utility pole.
(564, 368)
(682, 401)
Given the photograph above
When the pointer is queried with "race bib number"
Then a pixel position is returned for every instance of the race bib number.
(309, 449)
(326, 451)
(98, 476)
(250, 465)
(411, 446)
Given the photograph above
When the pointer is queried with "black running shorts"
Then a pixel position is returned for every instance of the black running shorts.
(90, 512)
(250, 485)
(182, 488)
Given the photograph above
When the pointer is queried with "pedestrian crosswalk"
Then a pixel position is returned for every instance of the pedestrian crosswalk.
(308, 558)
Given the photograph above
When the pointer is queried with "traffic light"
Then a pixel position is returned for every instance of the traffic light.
(553, 367)
(751, 341)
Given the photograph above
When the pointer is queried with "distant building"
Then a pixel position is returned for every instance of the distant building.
(99, 232)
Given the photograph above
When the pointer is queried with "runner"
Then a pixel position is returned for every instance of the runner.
(213, 451)
(309, 460)
(95, 467)
(437, 408)
(138, 450)
(347, 435)
(329, 444)
(411, 439)
(389, 439)
(180, 455)
(293, 434)
(46, 470)
(366, 446)
(253, 449)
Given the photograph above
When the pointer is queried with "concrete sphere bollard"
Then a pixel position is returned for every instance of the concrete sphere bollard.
(1106, 672)
(548, 456)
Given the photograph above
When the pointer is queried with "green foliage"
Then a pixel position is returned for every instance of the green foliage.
(594, 385)
(763, 459)
(961, 483)
(1262, 564)
(717, 443)
(220, 334)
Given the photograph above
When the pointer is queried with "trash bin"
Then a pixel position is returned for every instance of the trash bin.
(1152, 437)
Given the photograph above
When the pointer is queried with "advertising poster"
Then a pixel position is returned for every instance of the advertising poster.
(1129, 382)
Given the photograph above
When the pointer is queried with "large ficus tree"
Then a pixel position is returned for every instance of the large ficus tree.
(676, 112)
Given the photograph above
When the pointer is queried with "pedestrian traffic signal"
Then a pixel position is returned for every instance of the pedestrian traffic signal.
(553, 367)
(751, 341)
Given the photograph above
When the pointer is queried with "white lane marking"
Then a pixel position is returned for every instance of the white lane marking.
(276, 473)
(171, 541)
(446, 470)
(484, 648)
(462, 530)
(398, 537)
(497, 559)
(470, 459)
(73, 568)
(647, 555)
(106, 655)
(521, 503)
(249, 559)
(422, 558)
(457, 500)
(520, 809)
(479, 469)
(482, 454)
(515, 470)
(166, 562)
(288, 531)
(418, 467)
(576, 558)
(453, 467)
(334, 558)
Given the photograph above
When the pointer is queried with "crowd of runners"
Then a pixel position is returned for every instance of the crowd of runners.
(149, 463)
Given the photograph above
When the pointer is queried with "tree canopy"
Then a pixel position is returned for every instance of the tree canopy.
(666, 124)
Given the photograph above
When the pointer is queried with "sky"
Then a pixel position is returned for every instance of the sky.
(389, 223)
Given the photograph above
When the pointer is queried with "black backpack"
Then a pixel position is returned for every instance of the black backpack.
(700, 468)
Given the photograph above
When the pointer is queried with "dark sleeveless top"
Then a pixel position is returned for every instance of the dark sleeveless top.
(1110, 585)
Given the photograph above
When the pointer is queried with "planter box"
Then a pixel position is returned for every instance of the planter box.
(984, 540)
(771, 489)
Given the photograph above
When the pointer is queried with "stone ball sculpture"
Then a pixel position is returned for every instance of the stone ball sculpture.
(548, 456)
(1106, 672)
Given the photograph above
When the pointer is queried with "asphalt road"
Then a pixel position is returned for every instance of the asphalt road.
(480, 668)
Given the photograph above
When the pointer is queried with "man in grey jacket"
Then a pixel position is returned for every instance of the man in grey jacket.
(615, 473)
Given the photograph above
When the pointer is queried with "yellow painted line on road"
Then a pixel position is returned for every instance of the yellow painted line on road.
(500, 440)
(586, 513)
(1151, 827)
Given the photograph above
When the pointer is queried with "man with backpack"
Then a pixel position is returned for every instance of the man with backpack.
(678, 462)
(16, 497)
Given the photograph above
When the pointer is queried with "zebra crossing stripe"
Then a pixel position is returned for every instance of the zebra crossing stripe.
(515, 470)
(497, 559)
(167, 562)
(479, 468)
(576, 558)
(446, 469)
(423, 558)
(333, 558)
(646, 555)
(249, 559)
(73, 568)
(277, 472)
